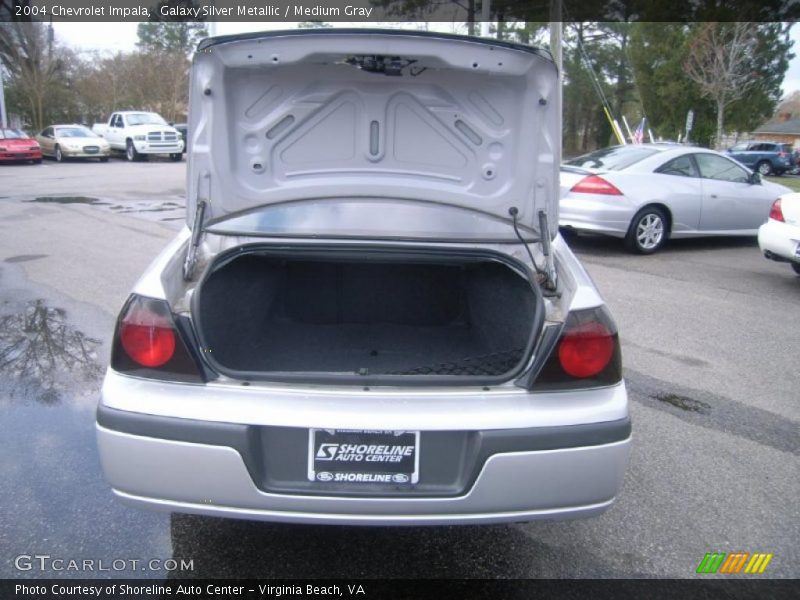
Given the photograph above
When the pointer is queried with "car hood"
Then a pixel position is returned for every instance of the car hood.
(18, 143)
(302, 115)
(147, 128)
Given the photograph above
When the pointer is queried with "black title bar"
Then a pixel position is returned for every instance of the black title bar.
(373, 11)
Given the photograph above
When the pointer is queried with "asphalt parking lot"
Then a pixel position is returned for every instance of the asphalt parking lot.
(710, 342)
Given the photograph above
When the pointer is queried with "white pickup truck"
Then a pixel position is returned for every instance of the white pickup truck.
(139, 134)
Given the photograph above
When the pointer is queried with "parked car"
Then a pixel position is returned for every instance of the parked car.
(72, 141)
(779, 237)
(648, 193)
(183, 129)
(765, 157)
(347, 332)
(139, 134)
(16, 145)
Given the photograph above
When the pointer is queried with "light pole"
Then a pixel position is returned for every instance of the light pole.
(486, 14)
(556, 26)
(3, 115)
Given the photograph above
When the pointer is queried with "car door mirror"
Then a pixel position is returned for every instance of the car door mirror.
(755, 178)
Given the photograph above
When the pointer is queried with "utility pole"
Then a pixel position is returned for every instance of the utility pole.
(50, 36)
(212, 25)
(556, 25)
(3, 115)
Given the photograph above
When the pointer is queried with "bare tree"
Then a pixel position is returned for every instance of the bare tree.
(34, 69)
(720, 61)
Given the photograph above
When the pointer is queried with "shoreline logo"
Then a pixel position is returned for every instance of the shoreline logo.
(732, 563)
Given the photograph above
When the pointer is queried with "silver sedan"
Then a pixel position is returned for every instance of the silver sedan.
(647, 193)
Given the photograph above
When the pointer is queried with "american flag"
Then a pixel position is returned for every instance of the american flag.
(638, 135)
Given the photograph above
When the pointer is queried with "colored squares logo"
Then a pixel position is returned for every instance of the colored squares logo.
(734, 562)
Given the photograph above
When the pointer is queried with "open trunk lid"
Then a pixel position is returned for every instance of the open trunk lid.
(348, 114)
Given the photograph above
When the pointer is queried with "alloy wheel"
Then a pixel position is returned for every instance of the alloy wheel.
(649, 231)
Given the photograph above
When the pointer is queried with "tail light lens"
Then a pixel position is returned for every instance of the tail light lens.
(147, 336)
(586, 349)
(587, 353)
(775, 212)
(148, 343)
(594, 184)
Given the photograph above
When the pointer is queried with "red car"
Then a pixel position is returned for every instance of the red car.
(16, 145)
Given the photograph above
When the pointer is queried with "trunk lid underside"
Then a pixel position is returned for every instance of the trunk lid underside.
(444, 119)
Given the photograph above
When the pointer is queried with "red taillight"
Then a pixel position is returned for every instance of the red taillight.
(594, 184)
(775, 213)
(585, 350)
(147, 337)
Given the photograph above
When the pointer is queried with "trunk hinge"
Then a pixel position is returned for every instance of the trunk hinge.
(546, 277)
(197, 234)
(551, 281)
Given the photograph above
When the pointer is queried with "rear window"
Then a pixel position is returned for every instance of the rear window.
(615, 158)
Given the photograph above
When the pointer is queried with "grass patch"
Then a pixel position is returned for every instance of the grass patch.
(790, 182)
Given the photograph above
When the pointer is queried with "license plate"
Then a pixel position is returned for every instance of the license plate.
(91, 149)
(356, 456)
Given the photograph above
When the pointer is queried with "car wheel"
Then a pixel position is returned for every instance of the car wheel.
(648, 231)
(58, 155)
(176, 157)
(104, 159)
(796, 268)
(764, 167)
(130, 152)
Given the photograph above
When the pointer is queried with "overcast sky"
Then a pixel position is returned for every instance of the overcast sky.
(122, 36)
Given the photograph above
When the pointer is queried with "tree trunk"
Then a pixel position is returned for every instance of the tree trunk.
(471, 17)
(720, 123)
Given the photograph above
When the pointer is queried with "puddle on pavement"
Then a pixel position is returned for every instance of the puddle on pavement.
(41, 355)
(147, 209)
(66, 200)
(25, 258)
(684, 403)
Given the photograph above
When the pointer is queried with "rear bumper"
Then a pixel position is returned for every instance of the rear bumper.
(610, 215)
(225, 468)
(780, 241)
(213, 480)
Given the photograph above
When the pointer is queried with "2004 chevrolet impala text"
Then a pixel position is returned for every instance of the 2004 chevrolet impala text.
(370, 317)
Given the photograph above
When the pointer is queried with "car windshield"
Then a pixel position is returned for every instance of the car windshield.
(739, 147)
(615, 158)
(12, 134)
(74, 132)
(145, 119)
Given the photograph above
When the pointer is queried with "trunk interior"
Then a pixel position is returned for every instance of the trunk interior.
(262, 314)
